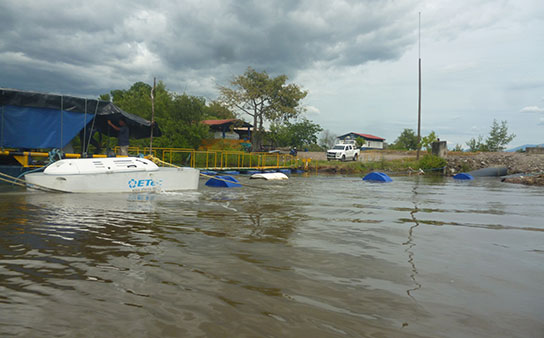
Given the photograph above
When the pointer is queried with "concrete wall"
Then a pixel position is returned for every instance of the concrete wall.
(373, 144)
(439, 148)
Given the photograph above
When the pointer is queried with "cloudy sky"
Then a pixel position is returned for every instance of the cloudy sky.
(481, 60)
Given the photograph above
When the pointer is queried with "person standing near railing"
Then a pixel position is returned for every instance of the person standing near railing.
(122, 137)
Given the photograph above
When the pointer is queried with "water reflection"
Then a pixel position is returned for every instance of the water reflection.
(411, 243)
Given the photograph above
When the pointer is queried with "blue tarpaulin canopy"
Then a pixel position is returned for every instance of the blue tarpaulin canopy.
(31, 120)
(37, 128)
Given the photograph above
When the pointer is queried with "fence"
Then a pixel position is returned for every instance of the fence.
(219, 159)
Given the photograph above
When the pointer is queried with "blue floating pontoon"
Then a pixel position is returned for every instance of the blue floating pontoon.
(377, 177)
(285, 171)
(231, 172)
(223, 182)
(251, 172)
(463, 176)
(209, 172)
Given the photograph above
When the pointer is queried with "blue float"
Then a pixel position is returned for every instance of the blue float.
(285, 171)
(377, 177)
(231, 172)
(209, 172)
(223, 182)
(463, 176)
(251, 172)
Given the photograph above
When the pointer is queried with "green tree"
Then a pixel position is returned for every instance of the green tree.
(407, 140)
(327, 139)
(178, 116)
(476, 144)
(496, 141)
(427, 141)
(137, 100)
(216, 110)
(105, 97)
(299, 134)
(458, 148)
(498, 136)
(182, 125)
(359, 141)
(264, 99)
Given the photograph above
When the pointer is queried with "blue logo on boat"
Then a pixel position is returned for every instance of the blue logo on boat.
(143, 183)
(132, 183)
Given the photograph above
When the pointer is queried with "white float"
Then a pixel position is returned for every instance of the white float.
(270, 176)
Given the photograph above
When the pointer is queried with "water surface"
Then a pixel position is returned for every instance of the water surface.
(320, 256)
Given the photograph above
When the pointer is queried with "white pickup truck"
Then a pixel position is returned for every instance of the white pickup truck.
(343, 152)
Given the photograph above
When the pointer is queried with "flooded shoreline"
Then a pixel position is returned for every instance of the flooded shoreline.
(314, 256)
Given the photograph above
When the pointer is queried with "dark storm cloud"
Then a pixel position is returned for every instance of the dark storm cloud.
(93, 47)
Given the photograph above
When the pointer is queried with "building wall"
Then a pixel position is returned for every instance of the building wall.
(370, 144)
(228, 135)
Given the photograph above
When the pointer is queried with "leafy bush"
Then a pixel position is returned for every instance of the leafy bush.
(431, 162)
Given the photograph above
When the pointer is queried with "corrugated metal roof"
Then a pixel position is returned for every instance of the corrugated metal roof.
(227, 123)
(218, 122)
(365, 136)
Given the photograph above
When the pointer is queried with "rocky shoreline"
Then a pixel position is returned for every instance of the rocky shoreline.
(529, 167)
(515, 163)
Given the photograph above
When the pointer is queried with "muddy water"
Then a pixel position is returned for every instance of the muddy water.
(322, 256)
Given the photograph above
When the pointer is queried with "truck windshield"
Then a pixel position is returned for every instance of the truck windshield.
(338, 147)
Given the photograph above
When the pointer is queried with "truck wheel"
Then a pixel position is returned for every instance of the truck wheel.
(355, 157)
(343, 158)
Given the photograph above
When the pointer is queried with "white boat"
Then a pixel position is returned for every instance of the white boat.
(115, 174)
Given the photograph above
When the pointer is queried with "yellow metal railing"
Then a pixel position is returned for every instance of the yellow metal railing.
(26, 157)
(203, 159)
(219, 159)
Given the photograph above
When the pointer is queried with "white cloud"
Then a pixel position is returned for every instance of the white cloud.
(312, 110)
(532, 109)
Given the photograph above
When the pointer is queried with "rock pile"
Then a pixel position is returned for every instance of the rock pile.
(528, 180)
(514, 162)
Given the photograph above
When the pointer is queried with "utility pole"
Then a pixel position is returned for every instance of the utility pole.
(419, 99)
(152, 117)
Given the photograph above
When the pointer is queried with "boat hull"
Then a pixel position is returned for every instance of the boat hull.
(164, 179)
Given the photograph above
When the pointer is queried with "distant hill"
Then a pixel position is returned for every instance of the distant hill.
(524, 146)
